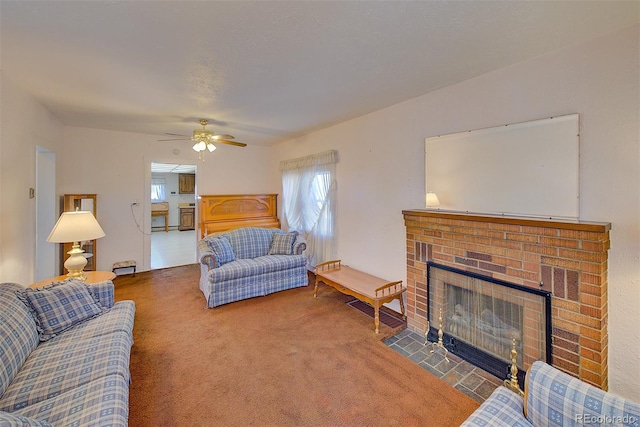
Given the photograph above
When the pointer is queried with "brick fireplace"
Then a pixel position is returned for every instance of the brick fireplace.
(568, 259)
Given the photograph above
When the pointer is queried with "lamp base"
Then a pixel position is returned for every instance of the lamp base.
(76, 262)
(77, 274)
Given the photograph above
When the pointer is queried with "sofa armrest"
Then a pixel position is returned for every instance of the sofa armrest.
(10, 419)
(553, 394)
(209, 260)
(503, 408)
(206, 255)
(299, 245)
(104, 291)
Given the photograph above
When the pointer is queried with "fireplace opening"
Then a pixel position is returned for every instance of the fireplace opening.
(482, 318)
(488, 323)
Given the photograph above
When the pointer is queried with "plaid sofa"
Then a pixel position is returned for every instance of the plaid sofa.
(250, 262)
(80, 376)
(554, 398)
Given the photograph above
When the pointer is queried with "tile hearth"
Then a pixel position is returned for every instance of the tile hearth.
(472, 381)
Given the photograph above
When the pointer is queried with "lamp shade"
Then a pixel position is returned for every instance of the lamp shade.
(199, 146)
(75, 227)
(432, 200)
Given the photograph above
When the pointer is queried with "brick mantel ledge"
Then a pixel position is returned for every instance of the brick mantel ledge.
(597, 227)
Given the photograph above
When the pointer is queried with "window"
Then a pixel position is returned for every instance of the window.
(308, 187)
(317, 200)
(157, 189)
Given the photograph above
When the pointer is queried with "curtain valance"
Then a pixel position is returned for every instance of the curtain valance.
(330, 156)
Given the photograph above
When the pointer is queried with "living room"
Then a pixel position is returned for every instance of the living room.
(380, 170)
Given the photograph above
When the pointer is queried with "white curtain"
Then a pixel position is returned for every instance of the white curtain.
(157, 189)
(309, 195)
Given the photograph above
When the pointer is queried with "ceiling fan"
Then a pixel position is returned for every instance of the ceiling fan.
(204, 139)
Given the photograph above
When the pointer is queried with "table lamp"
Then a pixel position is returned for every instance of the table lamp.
(432, 200)
(75, 227)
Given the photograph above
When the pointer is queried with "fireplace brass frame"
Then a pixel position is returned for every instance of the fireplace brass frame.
(500, 368)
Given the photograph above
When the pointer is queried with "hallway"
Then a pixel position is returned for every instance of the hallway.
(173, 248)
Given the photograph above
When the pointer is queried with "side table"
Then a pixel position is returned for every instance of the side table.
(92, 277)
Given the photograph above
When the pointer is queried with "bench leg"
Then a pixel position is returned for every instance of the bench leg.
(376, 318)
(401, 299)
(315, 289)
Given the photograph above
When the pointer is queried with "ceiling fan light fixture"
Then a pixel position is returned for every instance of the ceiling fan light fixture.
(202, 134)
(199, 146)
(203, 139)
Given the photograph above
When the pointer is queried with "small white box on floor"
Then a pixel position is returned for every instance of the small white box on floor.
(124, 264)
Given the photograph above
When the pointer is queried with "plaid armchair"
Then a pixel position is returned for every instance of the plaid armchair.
(554, 398)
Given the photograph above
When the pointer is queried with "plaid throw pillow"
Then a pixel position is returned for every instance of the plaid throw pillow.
(60, 306)
(282, 243)
(222, 250)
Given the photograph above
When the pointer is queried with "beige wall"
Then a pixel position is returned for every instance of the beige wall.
(24, 125)
(116, 166)
(381, 166)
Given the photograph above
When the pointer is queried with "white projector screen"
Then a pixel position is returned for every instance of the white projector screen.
(528, 168)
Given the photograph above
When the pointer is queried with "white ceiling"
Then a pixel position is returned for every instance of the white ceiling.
(267, 71)
(172, 168)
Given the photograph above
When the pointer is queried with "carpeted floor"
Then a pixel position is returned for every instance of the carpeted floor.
(286, 359)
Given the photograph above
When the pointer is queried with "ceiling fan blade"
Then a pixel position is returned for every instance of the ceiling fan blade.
(177, 134)
(223, 137)
(236, 143)
(176, 139)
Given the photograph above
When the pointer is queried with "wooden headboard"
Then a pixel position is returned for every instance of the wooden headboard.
(226, 212)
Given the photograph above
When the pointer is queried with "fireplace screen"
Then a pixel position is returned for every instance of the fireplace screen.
(482, 316)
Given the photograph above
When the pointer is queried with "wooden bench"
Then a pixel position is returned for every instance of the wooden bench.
(365, 287)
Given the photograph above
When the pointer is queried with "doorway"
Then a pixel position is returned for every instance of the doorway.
(46, 214)
(173, 232)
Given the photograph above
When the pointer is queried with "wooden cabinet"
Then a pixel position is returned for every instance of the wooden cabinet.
(83, 202)
(187, 219)
(186, 183)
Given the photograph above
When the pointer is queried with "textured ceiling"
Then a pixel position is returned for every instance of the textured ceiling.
(172, 168)
(269, 71)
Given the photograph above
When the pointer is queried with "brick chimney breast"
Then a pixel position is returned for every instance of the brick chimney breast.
(568, 258)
